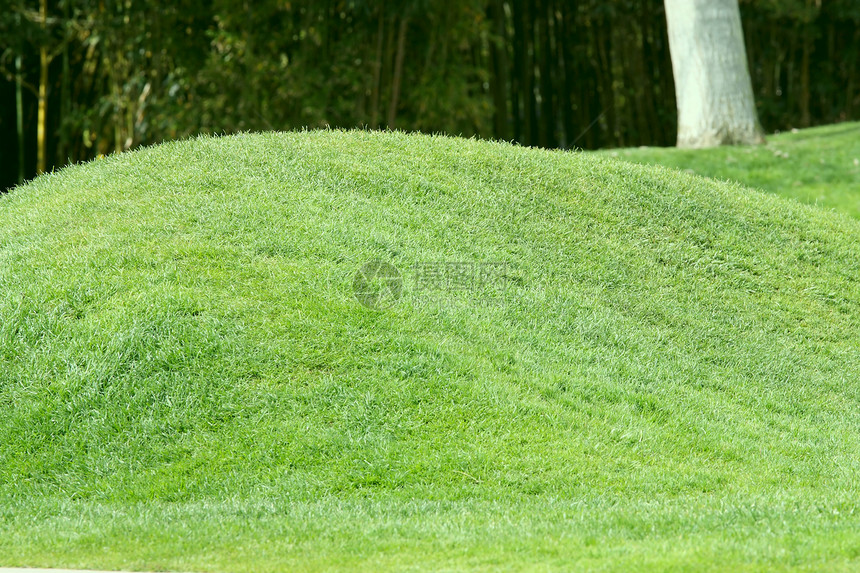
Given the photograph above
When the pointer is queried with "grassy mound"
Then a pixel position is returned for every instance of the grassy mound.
(560, 359)
(819, 166)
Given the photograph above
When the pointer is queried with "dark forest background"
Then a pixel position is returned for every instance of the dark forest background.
(117, 74)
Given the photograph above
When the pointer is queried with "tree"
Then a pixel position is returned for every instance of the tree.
(42, 121)
(712, 80)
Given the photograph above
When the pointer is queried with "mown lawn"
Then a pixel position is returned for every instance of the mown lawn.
(819, 166)
(614, 367)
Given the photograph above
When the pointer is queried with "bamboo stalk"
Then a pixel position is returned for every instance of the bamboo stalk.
(42, 117)
(377, 70)
(19, 116)
(398, 71)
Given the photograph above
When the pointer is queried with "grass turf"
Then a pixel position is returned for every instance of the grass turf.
(667, 379)
(819, 166)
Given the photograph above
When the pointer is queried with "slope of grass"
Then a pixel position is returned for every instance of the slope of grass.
(819, 166)
(661, 372)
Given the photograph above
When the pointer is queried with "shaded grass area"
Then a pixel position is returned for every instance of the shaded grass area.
(668, 376)
(819, 166)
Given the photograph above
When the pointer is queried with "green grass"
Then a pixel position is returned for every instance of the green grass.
(668, 379)
(819, 166)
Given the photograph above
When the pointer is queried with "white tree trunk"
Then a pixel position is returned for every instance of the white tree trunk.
(712, 80)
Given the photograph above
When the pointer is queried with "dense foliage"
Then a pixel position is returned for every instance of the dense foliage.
(116, 74)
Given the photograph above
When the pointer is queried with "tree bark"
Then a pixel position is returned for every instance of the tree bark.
(712, 80)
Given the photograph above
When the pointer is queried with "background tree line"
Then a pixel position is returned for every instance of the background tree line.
(80, 78)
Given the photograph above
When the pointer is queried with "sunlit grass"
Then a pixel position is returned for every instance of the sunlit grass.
(667, 380)
(819, 166)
